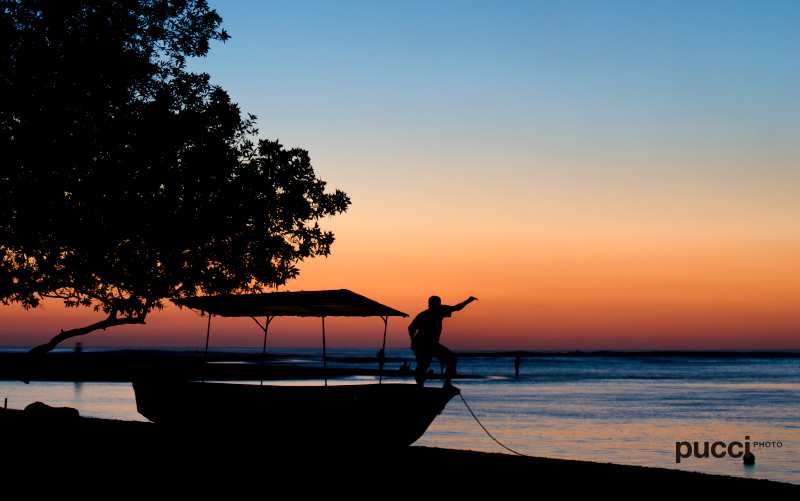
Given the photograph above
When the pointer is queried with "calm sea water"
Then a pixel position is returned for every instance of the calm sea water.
(615, 409)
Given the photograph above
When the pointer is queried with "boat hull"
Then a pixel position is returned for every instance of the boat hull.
(368, 415)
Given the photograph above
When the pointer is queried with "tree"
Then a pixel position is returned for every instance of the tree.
(127, 180)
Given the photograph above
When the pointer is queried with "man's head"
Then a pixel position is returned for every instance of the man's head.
(434, 302)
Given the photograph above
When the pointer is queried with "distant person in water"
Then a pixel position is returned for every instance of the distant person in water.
(425, 331)
(381, 359)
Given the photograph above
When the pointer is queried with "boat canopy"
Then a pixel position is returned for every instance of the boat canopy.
(333, 303)
(321, 304)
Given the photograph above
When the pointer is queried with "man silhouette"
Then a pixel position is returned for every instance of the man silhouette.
(425, 331)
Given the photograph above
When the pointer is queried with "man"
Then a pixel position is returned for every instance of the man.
(425, 331)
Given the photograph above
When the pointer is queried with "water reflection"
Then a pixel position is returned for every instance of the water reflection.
(101, 400)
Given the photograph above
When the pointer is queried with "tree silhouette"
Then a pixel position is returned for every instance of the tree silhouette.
(127, 180)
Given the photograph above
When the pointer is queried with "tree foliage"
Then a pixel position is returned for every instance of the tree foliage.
(126, 179)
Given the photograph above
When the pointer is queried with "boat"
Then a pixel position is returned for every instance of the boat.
(378, 415)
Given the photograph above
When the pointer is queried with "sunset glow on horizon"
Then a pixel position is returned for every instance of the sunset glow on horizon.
(600, 175)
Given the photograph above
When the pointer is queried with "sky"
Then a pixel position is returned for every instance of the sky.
(599, 174)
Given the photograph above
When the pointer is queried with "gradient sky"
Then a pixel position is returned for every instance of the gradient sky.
(600, 174)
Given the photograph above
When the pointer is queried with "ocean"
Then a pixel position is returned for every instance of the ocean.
(635, 409)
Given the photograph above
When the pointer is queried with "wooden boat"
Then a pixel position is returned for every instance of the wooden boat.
(370, 415)
(367, 415)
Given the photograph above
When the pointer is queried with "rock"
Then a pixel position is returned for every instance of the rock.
(44, 412)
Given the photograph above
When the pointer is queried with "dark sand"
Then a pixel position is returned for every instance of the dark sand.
(94, 457)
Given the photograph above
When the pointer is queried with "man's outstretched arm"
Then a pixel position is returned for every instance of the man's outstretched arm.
(460, 306)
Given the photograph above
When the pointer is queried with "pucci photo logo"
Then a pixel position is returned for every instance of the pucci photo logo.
(703, 450)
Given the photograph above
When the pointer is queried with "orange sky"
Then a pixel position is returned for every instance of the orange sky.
(551, 295)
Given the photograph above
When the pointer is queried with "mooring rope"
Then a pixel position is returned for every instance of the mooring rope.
(487, 431)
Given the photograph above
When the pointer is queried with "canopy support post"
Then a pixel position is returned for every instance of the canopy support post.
(324, 355)
(267, 321)
(205, 355)
(383, 348)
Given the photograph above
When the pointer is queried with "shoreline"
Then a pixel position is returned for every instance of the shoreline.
(104, 454)
(66, 348)
(124, 365)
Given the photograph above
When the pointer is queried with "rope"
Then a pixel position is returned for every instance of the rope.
(487, 431)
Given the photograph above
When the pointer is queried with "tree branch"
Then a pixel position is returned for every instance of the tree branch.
(111, 321)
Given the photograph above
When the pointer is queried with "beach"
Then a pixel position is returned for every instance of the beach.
(96, 456)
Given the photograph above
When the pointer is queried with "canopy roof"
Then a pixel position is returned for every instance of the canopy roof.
(335, 303)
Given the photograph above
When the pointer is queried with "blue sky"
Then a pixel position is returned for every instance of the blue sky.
(485, 67)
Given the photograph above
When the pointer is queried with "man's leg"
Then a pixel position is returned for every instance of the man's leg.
(449, 358)
(423, 362)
